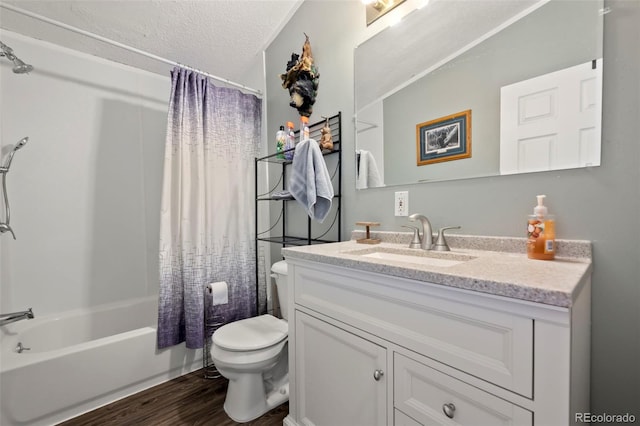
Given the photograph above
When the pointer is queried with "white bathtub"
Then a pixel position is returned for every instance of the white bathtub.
(83, 359)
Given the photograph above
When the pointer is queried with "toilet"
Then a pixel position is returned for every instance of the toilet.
(252, 354)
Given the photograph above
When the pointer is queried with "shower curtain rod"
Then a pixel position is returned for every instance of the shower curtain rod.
(126, 47)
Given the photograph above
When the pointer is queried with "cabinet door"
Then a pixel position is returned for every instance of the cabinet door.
(340, 377)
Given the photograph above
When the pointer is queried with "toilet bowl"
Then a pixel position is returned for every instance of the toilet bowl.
(253, 355)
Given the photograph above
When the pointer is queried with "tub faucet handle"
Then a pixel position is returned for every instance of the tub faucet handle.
(21, 348)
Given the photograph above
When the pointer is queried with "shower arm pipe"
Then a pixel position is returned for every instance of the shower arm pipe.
(126, 47)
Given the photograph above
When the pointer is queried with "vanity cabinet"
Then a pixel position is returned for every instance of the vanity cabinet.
(374, 349)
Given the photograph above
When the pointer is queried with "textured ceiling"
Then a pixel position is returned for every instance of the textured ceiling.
(221, 37)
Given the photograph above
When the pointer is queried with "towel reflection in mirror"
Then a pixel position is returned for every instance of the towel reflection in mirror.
(367, 174)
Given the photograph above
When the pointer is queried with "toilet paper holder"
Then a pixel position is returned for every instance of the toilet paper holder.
(213, 319)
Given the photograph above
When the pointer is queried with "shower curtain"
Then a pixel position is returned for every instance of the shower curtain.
(207, 217)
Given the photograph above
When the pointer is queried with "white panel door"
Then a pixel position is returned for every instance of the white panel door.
(335, 376)
(552, 121)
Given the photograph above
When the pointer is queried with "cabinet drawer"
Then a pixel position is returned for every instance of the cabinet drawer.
(425, 394)
(401, 419)
(492, 345)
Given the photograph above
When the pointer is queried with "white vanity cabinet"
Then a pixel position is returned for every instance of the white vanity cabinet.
(370, 349)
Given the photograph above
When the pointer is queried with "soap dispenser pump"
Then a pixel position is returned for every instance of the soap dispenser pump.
(541, 233)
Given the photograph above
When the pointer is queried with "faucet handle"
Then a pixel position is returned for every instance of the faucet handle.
(441, 243)
(415, 242)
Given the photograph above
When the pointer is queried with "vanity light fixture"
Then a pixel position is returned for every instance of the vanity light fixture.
(377, 8)
(378, 5)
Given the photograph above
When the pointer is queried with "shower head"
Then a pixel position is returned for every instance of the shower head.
(19, 67)
(22, 142)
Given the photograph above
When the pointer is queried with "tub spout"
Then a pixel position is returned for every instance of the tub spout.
(16, 316)
(20, 348)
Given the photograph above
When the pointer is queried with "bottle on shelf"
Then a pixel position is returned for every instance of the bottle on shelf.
(304, 128)
(290, 143)
(281, 139)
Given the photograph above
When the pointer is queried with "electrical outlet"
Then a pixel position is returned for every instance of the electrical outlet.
(402, 203)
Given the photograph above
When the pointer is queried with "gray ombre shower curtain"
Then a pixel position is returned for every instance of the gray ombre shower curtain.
(206, 225)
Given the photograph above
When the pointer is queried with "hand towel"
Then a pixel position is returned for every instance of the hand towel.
(368, 174)
(219, 293)
(310, 182)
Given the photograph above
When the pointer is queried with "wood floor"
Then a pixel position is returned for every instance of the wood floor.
(187, 400)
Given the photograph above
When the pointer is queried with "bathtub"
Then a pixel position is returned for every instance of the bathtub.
(83, 359)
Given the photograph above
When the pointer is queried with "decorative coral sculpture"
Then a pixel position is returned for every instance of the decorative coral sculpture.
(302, 79)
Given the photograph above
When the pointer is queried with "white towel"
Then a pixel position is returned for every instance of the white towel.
(219, 293)
(368, 174)
(310, 182)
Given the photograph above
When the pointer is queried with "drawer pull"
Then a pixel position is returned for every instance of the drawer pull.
(449, 409)
(377, 375)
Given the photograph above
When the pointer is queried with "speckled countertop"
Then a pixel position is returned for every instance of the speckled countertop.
(497, 266)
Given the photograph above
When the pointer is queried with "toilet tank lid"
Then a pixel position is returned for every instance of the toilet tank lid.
(279, 267)
(251, 334)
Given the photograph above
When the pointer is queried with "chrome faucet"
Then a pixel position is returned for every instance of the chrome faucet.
(16, 316)
(426, 240)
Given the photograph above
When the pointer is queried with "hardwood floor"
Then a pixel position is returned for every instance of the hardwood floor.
(187, 400)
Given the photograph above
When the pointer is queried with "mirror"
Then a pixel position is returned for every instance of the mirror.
(525, 73)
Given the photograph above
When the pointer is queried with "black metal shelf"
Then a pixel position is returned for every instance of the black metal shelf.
(284, 199)
(289, 240)
(335, 123)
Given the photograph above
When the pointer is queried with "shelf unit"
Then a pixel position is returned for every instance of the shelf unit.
(283, 236)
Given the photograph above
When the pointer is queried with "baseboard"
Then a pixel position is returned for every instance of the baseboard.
(288, 421)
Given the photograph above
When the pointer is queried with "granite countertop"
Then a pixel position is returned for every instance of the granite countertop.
(497, 266)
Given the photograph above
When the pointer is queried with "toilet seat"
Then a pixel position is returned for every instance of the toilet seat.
(251, 334)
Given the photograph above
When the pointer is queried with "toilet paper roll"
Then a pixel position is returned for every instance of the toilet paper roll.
(219, 293)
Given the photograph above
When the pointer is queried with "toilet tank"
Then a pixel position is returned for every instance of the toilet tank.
(279, 272)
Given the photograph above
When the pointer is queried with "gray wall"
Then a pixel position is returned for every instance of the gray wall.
(599, 204)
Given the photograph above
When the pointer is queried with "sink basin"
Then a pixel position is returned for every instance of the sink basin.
(412, 256)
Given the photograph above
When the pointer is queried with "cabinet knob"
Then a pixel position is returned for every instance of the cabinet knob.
(449, 409)
(377, 375)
